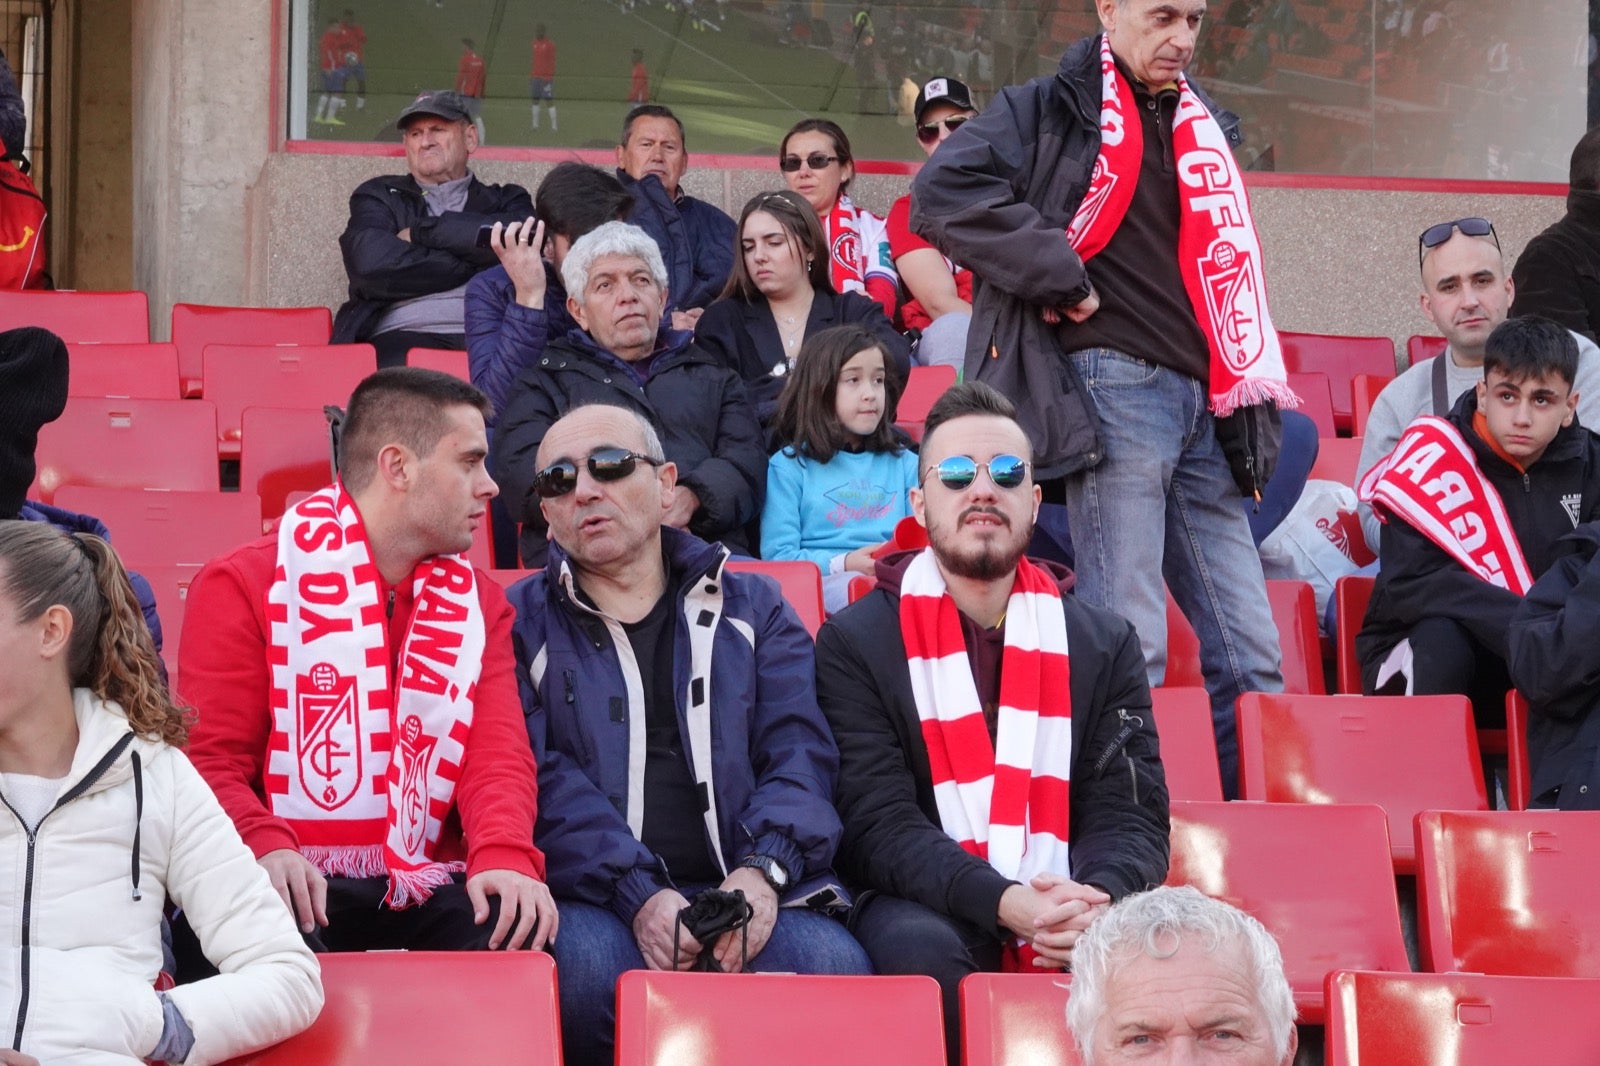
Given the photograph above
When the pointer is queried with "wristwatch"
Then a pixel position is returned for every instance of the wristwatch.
(771, 869)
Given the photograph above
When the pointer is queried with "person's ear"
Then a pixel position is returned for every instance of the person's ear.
(1572, 408)
(1427, 306)
(667, 475)
(919, 505)
(1483, 391)
(55, 631)
(394, 466)
(575, 309)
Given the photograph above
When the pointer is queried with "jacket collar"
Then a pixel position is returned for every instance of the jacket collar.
(1583, 206)
(669, 342)
(687, 559)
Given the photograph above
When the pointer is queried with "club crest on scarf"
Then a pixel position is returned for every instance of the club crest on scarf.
(845, 250)
(328, 737)
(416, 749)
(1234, 299)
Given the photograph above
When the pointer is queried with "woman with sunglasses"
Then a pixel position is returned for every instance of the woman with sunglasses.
(941, 292)
(816, 162)
(778, 295)
(105, 821)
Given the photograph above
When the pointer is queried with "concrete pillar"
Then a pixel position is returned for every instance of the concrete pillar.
(92, 193)
(202, 106)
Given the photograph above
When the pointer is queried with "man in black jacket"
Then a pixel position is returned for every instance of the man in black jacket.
(1558, 273)
(410, 246)
(946, 895)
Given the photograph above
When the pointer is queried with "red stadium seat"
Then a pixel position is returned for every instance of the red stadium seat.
(1338, 459)
(444, 360)
(924, 385)
(1383, 1019)
(1404, 753)
(1341, 358)
(672, 1019)
(799, 581)
(104, 317)
(507, 578)
(1188, 743)
(159, 526)
(1350, 595)
(429, 1007)
(289, 451)
(1364, 389)
(1318, 877)
(1316, 396)
(1294, 611)
(170, 582)
(196, 325)
(1509, 892)
(117, 443)
(1183, 650)
(1519, 776)
(309, 376)
(1420, 348)
(145, 371)
(1016, 1019)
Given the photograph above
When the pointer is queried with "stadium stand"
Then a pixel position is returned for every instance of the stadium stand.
(127, 443)
(800, 582)
(924, 385)
(309, 376)
(289, 451)
(196, 325)
(1341, 359)
(444, 360)
(161, 526)
(1364, 389)
(1316, 396)
(1188, 742)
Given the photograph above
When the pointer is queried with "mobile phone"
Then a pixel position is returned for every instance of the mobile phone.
(485, 236)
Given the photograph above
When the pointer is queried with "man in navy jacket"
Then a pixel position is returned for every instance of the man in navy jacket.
(673, 715)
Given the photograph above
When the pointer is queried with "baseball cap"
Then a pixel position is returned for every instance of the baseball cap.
(943, 91)
(445, 103)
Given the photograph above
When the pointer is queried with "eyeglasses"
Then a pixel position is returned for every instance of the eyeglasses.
(816, 161)
(930, 133)
(1434, 236)
(959, 471)
(607, 464)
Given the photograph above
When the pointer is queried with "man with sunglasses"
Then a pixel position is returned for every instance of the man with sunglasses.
(941, 292)
(671, 708)
(1466, 293)
(998, 777)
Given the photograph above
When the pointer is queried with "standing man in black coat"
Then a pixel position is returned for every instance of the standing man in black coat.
(1558, 273)
(410, 246)
(999, 778)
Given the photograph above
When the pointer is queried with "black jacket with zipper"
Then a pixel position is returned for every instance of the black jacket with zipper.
(893, 841)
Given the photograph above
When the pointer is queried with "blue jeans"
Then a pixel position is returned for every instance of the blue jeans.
(594, 948)
(1162, 505)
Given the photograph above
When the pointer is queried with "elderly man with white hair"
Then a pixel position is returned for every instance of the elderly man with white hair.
(1170, 976)
(623, 353)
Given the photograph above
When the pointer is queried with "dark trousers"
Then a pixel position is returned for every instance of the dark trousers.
(393, 345)
(903, 937)
(1446, 658)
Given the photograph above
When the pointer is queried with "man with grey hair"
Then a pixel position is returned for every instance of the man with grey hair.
(1171, 975)
(623, 353)
(673, 715)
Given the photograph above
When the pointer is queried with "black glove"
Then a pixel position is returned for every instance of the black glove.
(712, 913)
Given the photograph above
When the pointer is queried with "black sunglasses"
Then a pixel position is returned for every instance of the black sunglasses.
(959, 471)
(816, 161)
(607, 464)
(1434, 236)
(930, 133)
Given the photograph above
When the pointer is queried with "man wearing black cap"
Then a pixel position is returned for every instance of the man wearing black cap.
(941, 292)
(33, 393)
(411, 244)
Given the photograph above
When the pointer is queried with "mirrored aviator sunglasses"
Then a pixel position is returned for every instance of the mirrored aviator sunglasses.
(605, 465)
(959, 471)
(1474, 226)
(930, 133)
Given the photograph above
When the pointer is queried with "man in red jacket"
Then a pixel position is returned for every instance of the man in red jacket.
(358, 714)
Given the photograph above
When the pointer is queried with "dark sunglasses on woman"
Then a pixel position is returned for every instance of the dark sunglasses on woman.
(816, 161)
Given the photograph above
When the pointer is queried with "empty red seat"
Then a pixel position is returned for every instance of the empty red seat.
(111, 442)
(196, 325)
(1338, 459)
(1316, 400)
(1294, 612)
(170, 582)
(507, 578)
(444, 360)
(1364, 390)
(924, 385)
(1519, 777)
(1509, 892)
(1351, 595)
(429, 1007)
(151, 526)
(800, 582)
(145, 371)
(1012, 1019)
(1318, 877)
(289, 451)
(106, 317)
(1339, 357)
(1188, 742)
(1404, 753)
(310, 376)
(1384, 1019)
(1420, 348)
(713, 1019)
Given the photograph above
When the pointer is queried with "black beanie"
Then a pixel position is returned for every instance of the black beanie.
(33, 393)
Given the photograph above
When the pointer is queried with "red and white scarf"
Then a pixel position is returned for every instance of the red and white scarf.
(847, 253)
(1006, 800)
(363, 766)
(1219, 252)
(1432, 482)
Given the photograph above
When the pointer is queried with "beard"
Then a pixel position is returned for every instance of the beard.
(988, 560)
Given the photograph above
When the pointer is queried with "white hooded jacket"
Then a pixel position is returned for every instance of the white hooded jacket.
(81, 904)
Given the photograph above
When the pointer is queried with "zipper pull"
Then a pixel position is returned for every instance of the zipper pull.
(388, 608)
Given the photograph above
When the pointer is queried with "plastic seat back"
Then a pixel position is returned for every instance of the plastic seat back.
(1509, 892)
(1404, 753)
(1339, 357)
(1519, 776)
(799, 580)
(309, 376)
(1381, 1019)
(1294, 612)
(924, 385)
(1422, 347)
(196, 325)
(1316, 395)
(104, 317)
(126, 443)
(1188, 743)
(159, 526)
(143, 371)
(429, 1006)
(445, 360)
(1016, 1019)
(289, 452)
(669, 1019)
(1318, 877)
(1351, 595)
(170, 582)
(1364, 390)
(1338, 459)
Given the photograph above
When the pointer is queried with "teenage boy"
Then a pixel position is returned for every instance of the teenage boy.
(1473, 505)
